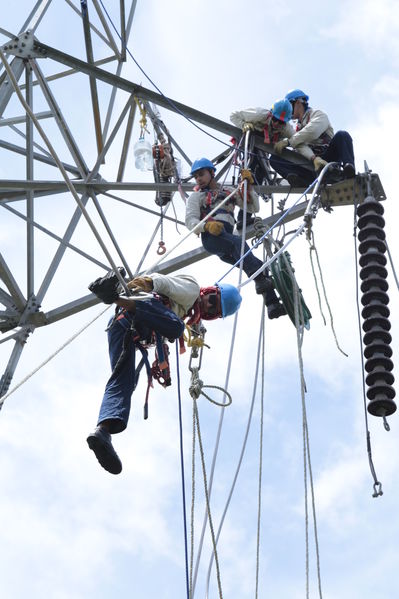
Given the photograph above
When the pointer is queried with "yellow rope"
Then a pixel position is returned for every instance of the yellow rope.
(143, 113)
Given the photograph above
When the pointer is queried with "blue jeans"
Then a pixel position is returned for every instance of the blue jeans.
(340, 149)
(228, 247)
(151, 315)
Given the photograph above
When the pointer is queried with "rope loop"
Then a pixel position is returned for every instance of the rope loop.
(197, 386)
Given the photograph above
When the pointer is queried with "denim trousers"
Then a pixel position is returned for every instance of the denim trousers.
(151, 315)
(228, 247)
(340, 149)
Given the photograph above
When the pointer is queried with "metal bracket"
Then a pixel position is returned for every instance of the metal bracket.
(352, 191)
(24, 46)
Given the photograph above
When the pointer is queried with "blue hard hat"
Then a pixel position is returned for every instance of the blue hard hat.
(202, 163)
(282, 110)
(230, 299)
(295, 94)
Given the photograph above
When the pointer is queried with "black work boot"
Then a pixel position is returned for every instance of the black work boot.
(105, 288)
(275, 308)
(295, 180)
(100, 442)
(263, 283)
(349, 171)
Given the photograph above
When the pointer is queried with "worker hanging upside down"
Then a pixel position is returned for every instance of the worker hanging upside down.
(217, 232)
(315, 140)
(136, 325)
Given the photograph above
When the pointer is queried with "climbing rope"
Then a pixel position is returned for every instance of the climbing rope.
(312, 248)
(307, 465)
(197, 386)
(195, 391)
(244, 445)
(183, 484)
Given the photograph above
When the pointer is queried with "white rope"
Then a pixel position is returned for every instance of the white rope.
(193, 230)
(2, 399)
(244, 444)
(220, 426)
(313, 248)
(299, 322)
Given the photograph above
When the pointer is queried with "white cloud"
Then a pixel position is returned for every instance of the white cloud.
(371, 25)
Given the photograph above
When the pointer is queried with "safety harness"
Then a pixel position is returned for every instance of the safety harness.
(323, 141)
(268, 129)
(213, 198)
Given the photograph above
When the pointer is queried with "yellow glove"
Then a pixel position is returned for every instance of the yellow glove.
(214, 227)
(279, 146)
(247, 127)
(144, 283)
(319, 163)
(246, 174)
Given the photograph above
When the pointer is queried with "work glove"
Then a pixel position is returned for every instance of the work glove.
(279, 146)
(106, 288)
(246, 174)
(247, 127)
(143, 283)
(319, 163)
(214, 227)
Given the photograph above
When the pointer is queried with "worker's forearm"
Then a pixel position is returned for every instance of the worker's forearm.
(128, 303)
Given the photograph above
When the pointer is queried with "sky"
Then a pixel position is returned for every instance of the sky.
(71, 530)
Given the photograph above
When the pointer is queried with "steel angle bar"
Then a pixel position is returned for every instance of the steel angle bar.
(11, 284)
(161, 100)
(22, 119)
(8, 302)
(61, 250)
(123, 28)
(14, 359)
(199, 254)
(70, 246)
(92, 80)
(39, 157)
(126, 142)
(118, 72)
(30, 247)
(17, 67)
(92, 26)
(59, 119)
(129, 203)
(36, 15)
(110, 233)
(69, 309)
(106, 28)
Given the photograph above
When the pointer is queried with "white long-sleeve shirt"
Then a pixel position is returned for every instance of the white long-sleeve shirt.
(197, 203)
(182, 291)
(311, 131)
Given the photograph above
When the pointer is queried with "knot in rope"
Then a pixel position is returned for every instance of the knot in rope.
(196, 385)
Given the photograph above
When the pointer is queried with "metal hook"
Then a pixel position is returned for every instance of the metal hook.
(161, 248)
(379, 492)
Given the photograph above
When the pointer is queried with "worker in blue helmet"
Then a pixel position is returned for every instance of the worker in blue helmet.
(217, 231)
(275, 125)
(315, 140)
(138, 324)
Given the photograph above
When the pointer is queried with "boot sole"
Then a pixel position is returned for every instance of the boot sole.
(109, 461)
